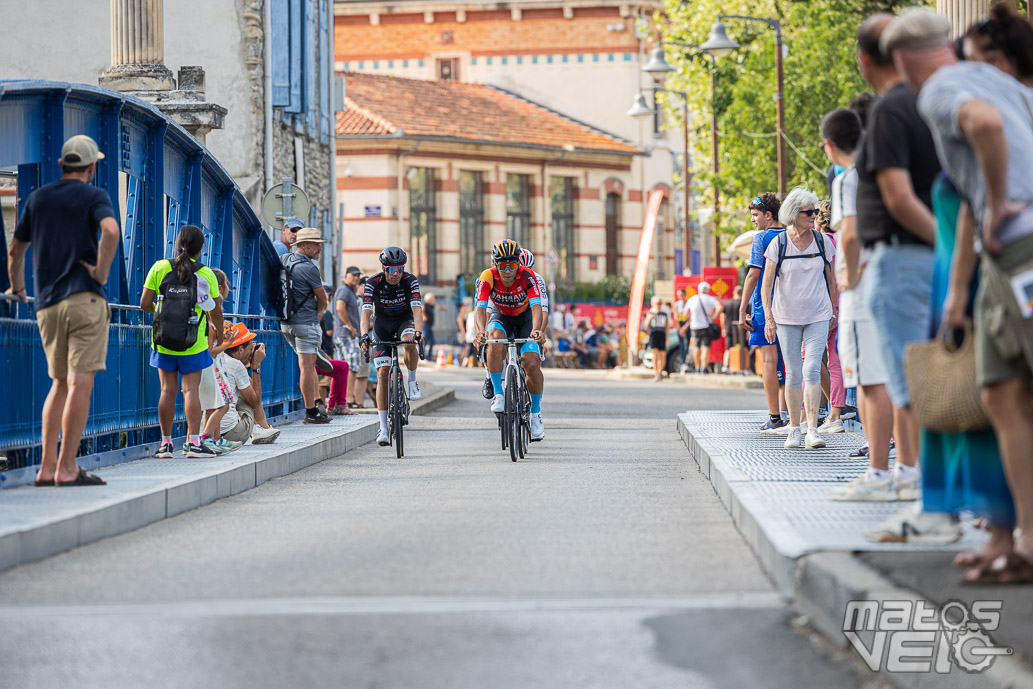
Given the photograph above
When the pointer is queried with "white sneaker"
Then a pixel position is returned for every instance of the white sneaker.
(831, 426)
(537, 427)
(264, 436)
(382, 439)
(865, 488)
(498, 405)
(913, 526)
(794, 439)
(814, 440)
(414, 391)
(907, 489)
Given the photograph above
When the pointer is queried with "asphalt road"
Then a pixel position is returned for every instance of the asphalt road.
(603, 560)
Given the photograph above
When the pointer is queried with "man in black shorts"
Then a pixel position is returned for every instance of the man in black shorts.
(393, 307)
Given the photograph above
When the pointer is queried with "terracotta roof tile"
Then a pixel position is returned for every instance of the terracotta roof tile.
(380, 105)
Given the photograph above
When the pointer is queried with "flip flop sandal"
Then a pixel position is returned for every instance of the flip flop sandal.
(969, 561)
(1010, 568)
(83, 479)
(44, 484)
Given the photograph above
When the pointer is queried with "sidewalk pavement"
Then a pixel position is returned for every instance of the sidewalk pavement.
(699, 380)
(39, 522)
(813, 550)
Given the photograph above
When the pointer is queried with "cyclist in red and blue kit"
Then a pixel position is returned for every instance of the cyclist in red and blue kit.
(516, 310)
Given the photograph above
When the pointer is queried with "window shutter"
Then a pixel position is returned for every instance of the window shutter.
(325, 82)
(311, 47)
(296, 67)
(279, 46)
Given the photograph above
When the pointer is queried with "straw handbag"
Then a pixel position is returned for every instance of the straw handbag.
(942, 381)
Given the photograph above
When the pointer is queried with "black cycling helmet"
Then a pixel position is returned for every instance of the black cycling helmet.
(505, 250)
(393, 256)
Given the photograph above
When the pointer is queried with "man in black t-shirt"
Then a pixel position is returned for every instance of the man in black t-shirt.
(896, 166)
(70, 268)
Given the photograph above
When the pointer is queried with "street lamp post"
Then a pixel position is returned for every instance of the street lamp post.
(719, 44)
(714, 137)
(658, 69)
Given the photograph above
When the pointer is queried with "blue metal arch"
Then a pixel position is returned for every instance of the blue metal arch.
(170, 174)
(170, 180)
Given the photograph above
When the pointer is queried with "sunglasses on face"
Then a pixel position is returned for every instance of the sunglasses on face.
(811, 213)
(508, 266)
(393, 270)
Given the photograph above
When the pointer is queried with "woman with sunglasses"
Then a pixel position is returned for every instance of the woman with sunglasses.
(799, 307)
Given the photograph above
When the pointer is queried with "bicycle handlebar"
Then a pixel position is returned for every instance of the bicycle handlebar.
(393, 343)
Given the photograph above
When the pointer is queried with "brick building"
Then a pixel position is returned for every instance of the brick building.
(578, 59)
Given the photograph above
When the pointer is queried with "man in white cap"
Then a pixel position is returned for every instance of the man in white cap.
(70, 268)
(982, 123)
(307, 303)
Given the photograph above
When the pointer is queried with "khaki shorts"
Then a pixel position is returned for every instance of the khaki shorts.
(75, 334)
(1004, 339)
(242, 431)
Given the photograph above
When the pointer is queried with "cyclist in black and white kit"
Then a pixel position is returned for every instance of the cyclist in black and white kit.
(393, 308)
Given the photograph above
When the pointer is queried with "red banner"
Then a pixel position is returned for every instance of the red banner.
(638, 281)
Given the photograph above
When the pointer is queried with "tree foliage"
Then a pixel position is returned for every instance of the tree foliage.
(820, 74)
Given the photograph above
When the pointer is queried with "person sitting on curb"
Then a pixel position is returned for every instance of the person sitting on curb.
(245, 418)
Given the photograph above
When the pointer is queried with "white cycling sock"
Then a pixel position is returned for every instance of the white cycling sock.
(383, 418)
(412, 375)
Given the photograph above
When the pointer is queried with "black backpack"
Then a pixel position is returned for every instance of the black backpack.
(176, 325)
(286, 304)
(783, 246)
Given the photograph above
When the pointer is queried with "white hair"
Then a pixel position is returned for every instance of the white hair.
(794, 201)
(704, 287)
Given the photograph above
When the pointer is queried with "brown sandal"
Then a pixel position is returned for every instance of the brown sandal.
(1010, 568)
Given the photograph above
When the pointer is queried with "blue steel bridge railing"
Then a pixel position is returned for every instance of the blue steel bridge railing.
(159, 178)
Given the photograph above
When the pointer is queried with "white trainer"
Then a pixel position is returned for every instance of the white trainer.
(814, 440)
(498, 405)
(831, 426)
(264, 436)
(414, 391)
(537, 427)
(794, 439)
(865, 488)
(914, 526)
(907, 488)
(382, 439)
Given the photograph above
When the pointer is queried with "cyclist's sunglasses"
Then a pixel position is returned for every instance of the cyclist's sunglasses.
(392, 270)
(757, 202)
(507, 266)
(811, 213)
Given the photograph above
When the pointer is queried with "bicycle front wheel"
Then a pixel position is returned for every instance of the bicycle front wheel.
(397, 406)
(512, 416)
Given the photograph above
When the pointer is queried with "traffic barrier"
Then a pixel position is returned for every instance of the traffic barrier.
(441, 357)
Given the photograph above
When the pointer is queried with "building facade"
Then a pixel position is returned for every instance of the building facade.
(445, 169)
(269, 63)
(580, 59)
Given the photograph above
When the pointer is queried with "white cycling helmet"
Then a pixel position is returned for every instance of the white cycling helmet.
(526, 258)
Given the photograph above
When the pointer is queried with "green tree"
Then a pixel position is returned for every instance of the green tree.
(820, 74)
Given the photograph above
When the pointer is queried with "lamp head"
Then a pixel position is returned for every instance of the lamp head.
(657, 66)
(718, 43)
(639, 109)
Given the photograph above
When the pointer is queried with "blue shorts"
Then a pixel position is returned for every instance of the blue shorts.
(899, 295)
(183, 363)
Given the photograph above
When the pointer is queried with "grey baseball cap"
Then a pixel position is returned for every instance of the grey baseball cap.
(293, 223)
(353, 270)
(80, 151)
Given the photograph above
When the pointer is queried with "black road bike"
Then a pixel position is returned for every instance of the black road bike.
(397, 398)
(515, 421)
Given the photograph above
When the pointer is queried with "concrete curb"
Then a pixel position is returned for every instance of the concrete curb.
(698, 380)
(820, 584)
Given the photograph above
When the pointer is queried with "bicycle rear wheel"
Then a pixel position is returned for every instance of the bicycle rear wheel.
(397, 405)
(512, 420)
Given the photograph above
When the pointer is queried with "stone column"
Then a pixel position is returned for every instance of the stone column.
(137, 48)
(963, 13)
